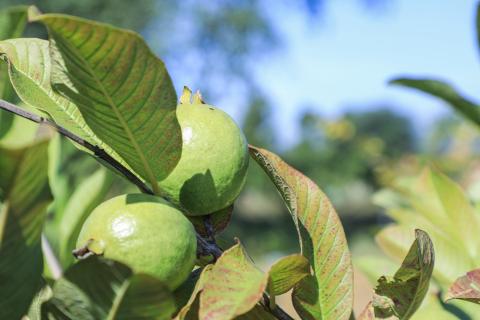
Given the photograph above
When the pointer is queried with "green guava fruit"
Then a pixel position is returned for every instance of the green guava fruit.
(212, 168)
(146, 233)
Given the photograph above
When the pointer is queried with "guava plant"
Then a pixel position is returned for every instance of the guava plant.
(152, 254)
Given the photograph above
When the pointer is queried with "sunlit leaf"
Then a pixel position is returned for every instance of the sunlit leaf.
(434, 203)
(232, 287)
(466, 287)
(445, 92)
(100, 289)
(29, 69)
(121, 88)
(328, 294)
(286, 273)
(399, 297)
(24, 197)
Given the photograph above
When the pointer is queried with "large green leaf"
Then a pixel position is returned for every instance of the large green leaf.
(29, 69)
(24, 196)
(401, 296)
(328, 294)
(232, 287)
(434, 203)
(86, 197)
(445, 92)
(466, 287)
(121, 88)
(97, 289)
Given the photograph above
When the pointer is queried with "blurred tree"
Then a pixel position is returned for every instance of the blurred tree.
(334, 153)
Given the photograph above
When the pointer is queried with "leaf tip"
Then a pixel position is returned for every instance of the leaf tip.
(186, 96)
(33, 14)
(197, 98)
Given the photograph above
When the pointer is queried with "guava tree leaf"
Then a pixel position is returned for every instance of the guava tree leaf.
(437, 205)
(29, 69)
(445, 92)
(190, 310)
(257, 313)
(285, 273)
(96, 288)
(401, 296)
(219, 221)
(121, 88)
(18, 133)
(85, 198)
(232, 287)
(328, 294)
(12, 24)
(43, 294)
(24, 197)
(466, 287)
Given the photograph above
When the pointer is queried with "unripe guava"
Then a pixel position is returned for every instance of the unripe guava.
(212, 168)
(144, 232)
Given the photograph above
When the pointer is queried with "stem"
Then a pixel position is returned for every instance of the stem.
(97, 151)
(205, 246)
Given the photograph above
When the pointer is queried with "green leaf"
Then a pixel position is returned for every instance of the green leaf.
(190, 310)
(445, 92)
(466, 287)
(86, 197)
(24, 196)
(29, 69)
(19, 132)
(232, 287)
(43, 295)
(12, 22)
(328, 294)
(257, 313)
(286, 273)
(122, 90)
(436, 204)
(96, 288)
(402, 295)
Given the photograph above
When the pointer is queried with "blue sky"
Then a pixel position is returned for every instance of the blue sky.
(343, 61)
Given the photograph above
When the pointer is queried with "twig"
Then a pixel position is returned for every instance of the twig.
(205, 246)
(97, 151)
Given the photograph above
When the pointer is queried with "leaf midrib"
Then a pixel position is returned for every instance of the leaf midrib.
(118, 300)
(123, 122)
